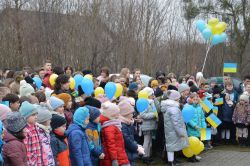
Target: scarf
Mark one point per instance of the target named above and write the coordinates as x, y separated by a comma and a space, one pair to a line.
113, 122
126, 120
46, 129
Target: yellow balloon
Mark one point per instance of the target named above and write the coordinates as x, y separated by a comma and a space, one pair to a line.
98, 91
220, 27
72, 83
213, 29
187, 152
198, 149
119, 90
89, 76
52, 79
213, 21
142, 94
194, 142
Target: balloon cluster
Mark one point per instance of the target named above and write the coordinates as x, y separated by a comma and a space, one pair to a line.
213, 31
195, 147
142, 102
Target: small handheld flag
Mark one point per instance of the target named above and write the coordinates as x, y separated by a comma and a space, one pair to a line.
205, 134
219, 101
230, 68
206, 105
213, 120
215, 110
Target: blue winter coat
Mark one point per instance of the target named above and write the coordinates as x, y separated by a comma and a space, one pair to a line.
130, 143
197, 120
78, 146
227, 112
93, 134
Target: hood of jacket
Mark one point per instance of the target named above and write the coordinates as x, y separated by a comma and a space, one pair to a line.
166, 104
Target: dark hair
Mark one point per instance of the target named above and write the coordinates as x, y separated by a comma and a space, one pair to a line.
10, 74
58, 70
131, 93
247, 77
61, 79
86, 71
149, 82
70, 68
11, 98
105, 70
47, 61
136, 69
40, 96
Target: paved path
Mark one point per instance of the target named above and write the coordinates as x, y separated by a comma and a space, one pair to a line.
223, 158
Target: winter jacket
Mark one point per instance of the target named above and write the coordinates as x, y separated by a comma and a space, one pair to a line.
174, 127
14, 151
130, 143
149, 117
112, 141
34, 146
78, 146
227, 112
45, 141
233, 95
68, 116
241, 114
59, 146
93, 134
198, 120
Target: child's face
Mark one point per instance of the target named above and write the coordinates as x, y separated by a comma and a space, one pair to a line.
15, 106
66, 86
137, 73
248, 88
185, 93
86, 122
60, 110
229, 87
69, 105
60, 130
196, 100
243, 102
97, 120
206, 88
32, 119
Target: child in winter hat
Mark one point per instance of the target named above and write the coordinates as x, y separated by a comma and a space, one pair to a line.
26, 89
56, 105
32, 140
43, 122
14, 150
78, 140
241, 118
112, 138
67, 106
93, 134
131, 146
58, 141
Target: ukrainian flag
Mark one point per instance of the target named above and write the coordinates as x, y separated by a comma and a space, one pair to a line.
219, 101
230, 68
206, 105
213, 120
205, 134
215, 110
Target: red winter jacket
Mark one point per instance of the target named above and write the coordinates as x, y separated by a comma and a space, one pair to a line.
112, 141
14, 151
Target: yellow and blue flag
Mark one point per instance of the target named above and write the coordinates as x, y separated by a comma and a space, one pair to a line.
215, 110
230, 68
219, 101
205, 134
213, 120
206, 105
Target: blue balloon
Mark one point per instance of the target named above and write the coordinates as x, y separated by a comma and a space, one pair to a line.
142, 105
216, 39
110, 89
201, 25
87, 86
78, 79
223, 37
38, 82
188, 113
207, 33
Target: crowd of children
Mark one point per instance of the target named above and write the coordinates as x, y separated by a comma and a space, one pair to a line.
56, 125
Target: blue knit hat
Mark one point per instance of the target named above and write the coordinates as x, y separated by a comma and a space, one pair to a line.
55, 102
27, 109
133, 86
94, 113
80, 116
